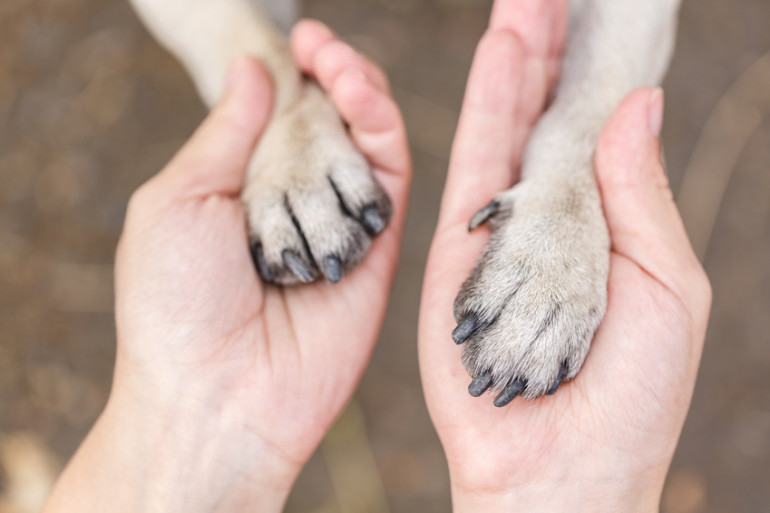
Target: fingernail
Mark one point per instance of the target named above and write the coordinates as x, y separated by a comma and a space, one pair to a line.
655, 111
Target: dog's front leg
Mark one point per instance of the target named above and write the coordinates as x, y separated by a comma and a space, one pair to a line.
312, 202
529, 310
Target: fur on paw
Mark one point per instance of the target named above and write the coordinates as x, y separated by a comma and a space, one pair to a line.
312, 202
529, 310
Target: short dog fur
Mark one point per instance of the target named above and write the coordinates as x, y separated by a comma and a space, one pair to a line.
529, 310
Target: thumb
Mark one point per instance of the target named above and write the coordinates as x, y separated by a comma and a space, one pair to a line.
644, 223
215, 159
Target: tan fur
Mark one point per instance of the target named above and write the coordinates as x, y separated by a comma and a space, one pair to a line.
304, 154
538, 292
540, 287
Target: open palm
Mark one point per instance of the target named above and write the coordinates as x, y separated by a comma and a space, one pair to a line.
618, 422
194, 321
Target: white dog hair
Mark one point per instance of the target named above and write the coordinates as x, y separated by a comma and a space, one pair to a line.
528, 312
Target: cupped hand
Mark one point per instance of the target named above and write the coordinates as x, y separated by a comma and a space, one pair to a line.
215, 371
605, 440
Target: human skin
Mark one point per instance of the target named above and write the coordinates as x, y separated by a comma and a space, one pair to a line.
224, 386
604, 441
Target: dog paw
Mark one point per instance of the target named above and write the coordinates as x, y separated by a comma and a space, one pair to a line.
529, 310
311, 200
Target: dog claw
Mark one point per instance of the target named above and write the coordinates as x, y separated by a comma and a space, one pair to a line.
295, 264
480, 384
559, 379
465, 329
332, 269
258, 255
373, 221
483, 215
510, 393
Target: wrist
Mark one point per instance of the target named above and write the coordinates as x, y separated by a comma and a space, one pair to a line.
577, 490
203, 453
545, 498
161, 457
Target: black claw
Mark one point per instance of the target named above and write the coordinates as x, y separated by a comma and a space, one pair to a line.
511, 392
332, 269
483, 215
372, 220
258, 255
559, 379
480, 384
295, 264
465, 329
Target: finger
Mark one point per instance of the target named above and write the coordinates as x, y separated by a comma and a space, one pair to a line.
644, 223
484, 150
489, 133
531, 20
375, 121
540, 25
559, 31
215, 159
322, 55
306, 38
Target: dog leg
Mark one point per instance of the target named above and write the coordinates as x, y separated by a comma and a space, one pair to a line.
312, 202
529, 310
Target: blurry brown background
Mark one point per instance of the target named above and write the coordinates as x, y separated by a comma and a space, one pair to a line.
90, 107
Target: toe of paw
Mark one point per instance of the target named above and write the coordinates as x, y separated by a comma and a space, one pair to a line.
301, 267
331, 267
298, 266
504, 390
363, 199
560, 377
266, 272
511, 391
507, 389
373, 215
512, 370
481, 384
375, 218
283, 267
469, 324
339, 253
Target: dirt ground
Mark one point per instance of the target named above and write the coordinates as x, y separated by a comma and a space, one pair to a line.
90, 107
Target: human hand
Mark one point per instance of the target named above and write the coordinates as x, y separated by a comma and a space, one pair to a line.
605, 440
224, 386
